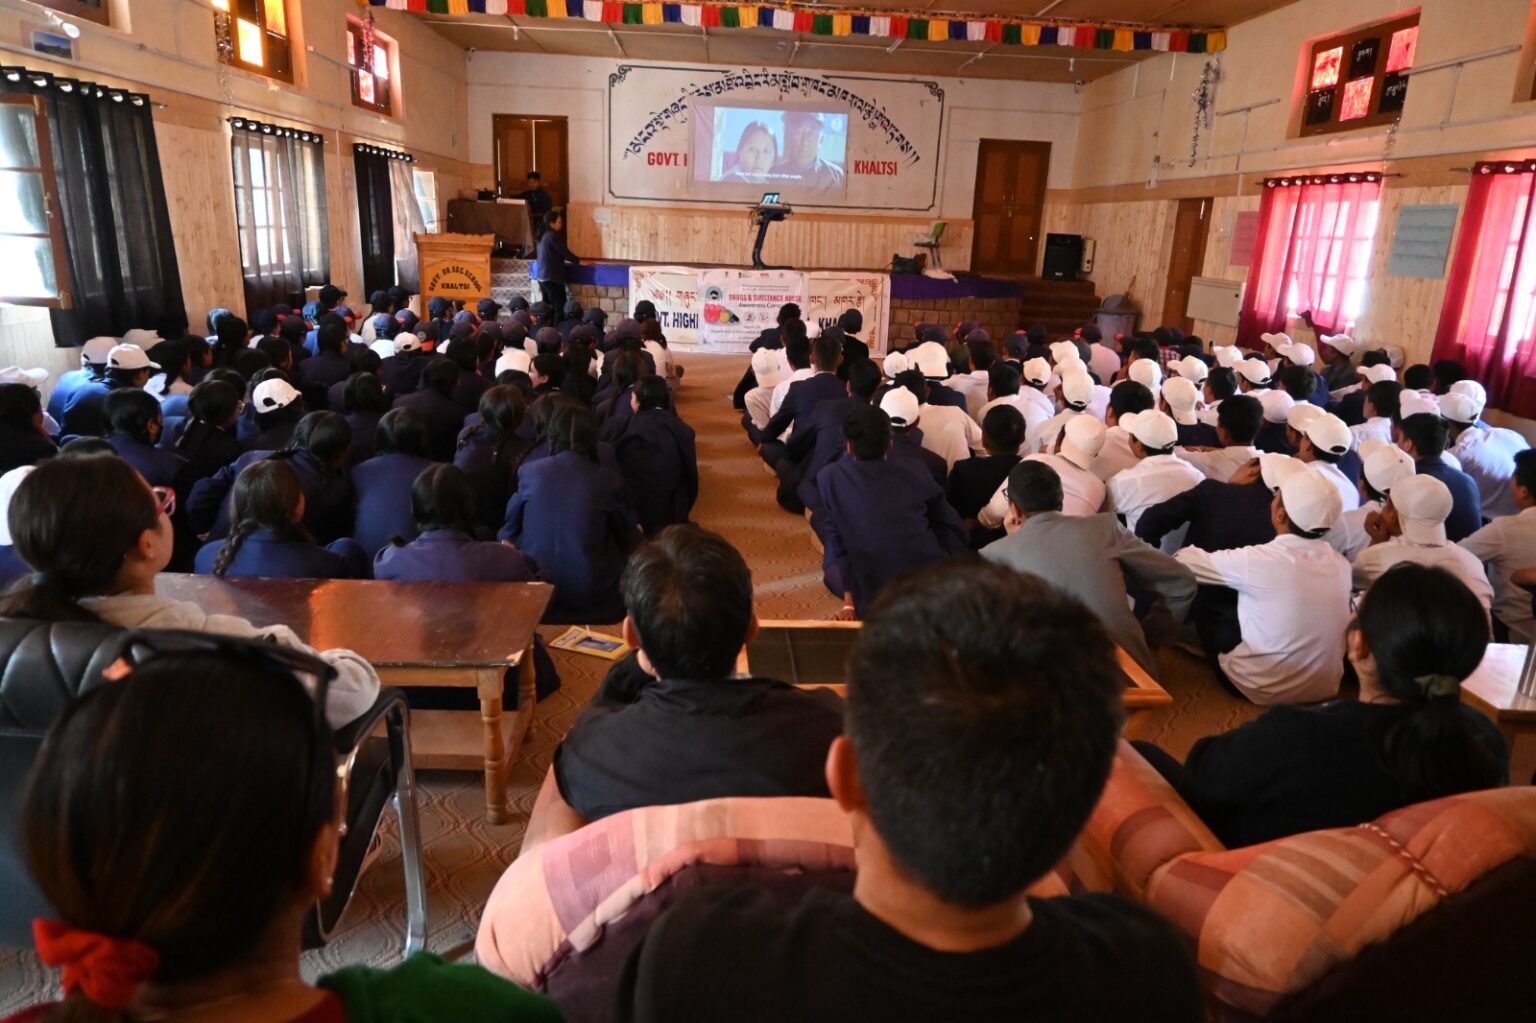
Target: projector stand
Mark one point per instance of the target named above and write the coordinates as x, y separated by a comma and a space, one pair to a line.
765, 215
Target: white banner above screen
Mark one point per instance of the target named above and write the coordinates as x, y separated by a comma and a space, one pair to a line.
729, 136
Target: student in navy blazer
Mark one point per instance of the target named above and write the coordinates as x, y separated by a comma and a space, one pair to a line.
382, 484
659, 459
572, 516
818, 442
363, 403
804, 395
134, 422
445, 548
268, 539
1424, 436
329, 367
441, 416
490, 453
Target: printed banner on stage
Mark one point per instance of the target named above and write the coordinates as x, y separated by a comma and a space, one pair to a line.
741, 304
829, 294
675, 292
729, 136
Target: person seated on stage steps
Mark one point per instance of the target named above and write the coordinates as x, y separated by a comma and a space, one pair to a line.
973, 480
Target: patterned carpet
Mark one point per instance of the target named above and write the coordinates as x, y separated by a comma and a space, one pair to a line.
464, 856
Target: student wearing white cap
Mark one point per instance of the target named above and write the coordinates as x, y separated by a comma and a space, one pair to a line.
1228, 356
1411, 527
1157, 475
1125, 398
931, 359
1253, 374
1382, 465
947, 430
278, 408
1075, 392
126, 366
1192, 368
770, 367
1004, 387
1382, 403
1487, 454
1148, 374
93, 368
1293, 599
1182, 399
1237, 426
1277, 407
1082, 492
1506, 545
1321, 440
1423, 435
906, 415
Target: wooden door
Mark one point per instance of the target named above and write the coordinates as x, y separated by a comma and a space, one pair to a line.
1191, 225
1010, 195
524, 144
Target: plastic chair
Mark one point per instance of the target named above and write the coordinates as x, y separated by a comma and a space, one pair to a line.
930, 241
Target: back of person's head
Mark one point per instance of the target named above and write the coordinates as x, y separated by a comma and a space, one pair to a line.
1128, 397
20, 405
1222, 380
1386, 398
131, 412
788, 311
827, 350
81, 447
573, 428
1418, 377
983, 353
914, 381
1003, 379
212, 404
442, 497
441, 375
628, 367
121, 826
794, 328
688, 594
1376, 357
230, 331
1297, 381
852, 321
266, 495
171, 357
1427, 432
1034, 487
1426, 633
401, 431
364, 392
868, 432
1446, 373
650, 330
325, 435
1241, 416
864, 378
797, 348
502, 410
463, 352
982, 736
1525, 470
1002, 430
1143, 348
277, 350
550, 366
331, 335
651, 393
74, 540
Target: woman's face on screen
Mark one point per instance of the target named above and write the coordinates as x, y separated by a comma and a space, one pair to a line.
757, 152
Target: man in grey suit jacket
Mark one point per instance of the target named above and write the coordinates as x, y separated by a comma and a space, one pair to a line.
1089, 557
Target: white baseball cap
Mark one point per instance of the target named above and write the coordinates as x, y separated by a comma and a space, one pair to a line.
95, 351
1396, 356
1037, 371
1473, 390
1457, 408
1191, 368
1077, 389
405, 341
1414, 403
1147, 373
1328, 433
1081, 440
271, 395
1276, 341
1061, 350
1384, 464
1340, 342
129, 357
16, 375
1156, 430
1255, 371
138, 336
1072, 365
8, 484
931, 359
383, 348
1298, 354
1377, 374
896, 362
901, 405
1277, 405
1423, 503
1300, 414
1275, 468
1227, 355
1311, 501
518, 359
767, 365
1181, 396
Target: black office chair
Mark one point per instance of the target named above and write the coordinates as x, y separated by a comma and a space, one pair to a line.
45, 665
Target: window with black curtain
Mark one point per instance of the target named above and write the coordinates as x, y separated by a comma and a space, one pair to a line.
375, 216
117, 229
280, 212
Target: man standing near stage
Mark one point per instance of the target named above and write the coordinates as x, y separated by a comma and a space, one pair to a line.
553, 257
802, 154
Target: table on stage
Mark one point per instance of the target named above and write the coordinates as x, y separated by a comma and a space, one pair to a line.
463, 635
1492, 690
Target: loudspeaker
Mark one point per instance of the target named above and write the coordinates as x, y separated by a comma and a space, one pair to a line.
1063, 255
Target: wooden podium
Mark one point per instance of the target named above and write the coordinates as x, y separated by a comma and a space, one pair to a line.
455, 266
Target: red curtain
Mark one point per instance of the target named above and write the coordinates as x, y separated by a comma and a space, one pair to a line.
1312, 252
1488, 321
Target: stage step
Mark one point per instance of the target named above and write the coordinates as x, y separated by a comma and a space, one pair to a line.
1059, 306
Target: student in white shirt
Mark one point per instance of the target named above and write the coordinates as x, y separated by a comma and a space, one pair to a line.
1253, 374
1383, 465
1148, 374
1237, 424
1487, 454
1192, 368
1082, 492
1508, 544
947, 431
1321, 439
973, 383
1038, 384
1157, 475
1382, 403
1411, 527
1003, 388
1292, 603
1219, 385
1103, 359
797, 350
1075, 391
1126, 398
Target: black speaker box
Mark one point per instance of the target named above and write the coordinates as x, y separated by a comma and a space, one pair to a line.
1063, 256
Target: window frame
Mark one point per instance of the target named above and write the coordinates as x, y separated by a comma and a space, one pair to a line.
62, 280
226, 41
284, 249
434, 223
75, 9
390, 82
1375, 117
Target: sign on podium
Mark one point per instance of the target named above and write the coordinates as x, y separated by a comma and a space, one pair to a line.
455, 266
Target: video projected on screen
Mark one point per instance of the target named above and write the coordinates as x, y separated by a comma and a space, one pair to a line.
802, 153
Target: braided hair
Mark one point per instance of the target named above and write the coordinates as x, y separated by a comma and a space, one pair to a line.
267, 495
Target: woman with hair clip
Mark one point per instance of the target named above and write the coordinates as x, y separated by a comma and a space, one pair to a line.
134, 425
491, 452
97, 560
571, 515
1419, 633
269, 541
119, 839
206, 438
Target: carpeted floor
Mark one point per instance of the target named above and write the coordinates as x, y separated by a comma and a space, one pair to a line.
464, 856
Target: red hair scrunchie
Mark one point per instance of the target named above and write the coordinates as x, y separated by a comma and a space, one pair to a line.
108, 970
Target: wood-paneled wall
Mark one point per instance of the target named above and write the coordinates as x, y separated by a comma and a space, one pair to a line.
1133, 240
200, 194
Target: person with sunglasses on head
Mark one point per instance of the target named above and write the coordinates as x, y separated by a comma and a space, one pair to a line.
119, 837
96, 560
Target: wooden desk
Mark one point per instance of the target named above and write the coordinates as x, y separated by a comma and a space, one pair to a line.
813, 654
462, 635
1491, 689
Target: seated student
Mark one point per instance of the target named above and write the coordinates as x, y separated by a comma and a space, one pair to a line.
1322, 441
978, 355
134, 423
1382, 404
851, 323
1411, 527
818, 442
900, 406
802, 396
546, 372
1285, 644
1300, 380
1236, 429
1076, 392
1487, 454
939, 925
273, 414
97, 561
1220, 384
1181, 398
931, 359
1506, 545
974, 480
441, 417
127, 366
119, 838
1220, 515
1419, 377
401, 372
363, 403
23, 438
1423, 435
491, 451
1158, 473
12, 567
882, 517
1349, 402
769, 367
947, 430
206, 438
1035, 381
570, 513
92, 373
175, 362
382, 484
657, 455
612, 402
1253, 374
1126, 398
769, 339
1272, 437
1407, 739
1005, 387
1383, 465
330, 366
1103, 357
445, 548
1082, 492
692, 729
797, 352
267, 539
